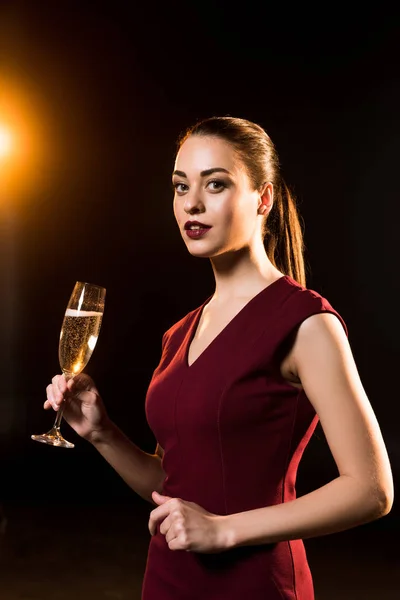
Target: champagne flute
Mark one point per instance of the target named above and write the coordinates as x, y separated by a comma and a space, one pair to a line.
78, 337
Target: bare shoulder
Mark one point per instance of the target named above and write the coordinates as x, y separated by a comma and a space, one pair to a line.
320, 337
322, 322
316, 333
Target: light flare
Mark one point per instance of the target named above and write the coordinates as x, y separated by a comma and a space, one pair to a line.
22, 141
6, 141
92, 342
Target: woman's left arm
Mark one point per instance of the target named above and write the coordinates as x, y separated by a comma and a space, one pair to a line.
363, 491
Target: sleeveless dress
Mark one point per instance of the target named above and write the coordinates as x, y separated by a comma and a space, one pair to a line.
233, 433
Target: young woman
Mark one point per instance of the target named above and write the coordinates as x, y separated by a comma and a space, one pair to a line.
242, 382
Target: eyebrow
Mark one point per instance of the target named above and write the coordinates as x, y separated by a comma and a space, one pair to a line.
204, 173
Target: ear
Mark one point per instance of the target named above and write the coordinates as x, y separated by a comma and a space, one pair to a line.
266, 199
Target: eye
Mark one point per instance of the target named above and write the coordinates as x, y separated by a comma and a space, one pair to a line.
179, 187
216, 185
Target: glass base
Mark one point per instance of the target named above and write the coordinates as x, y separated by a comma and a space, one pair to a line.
54, 438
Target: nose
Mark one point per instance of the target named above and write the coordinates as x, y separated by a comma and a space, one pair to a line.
193, 203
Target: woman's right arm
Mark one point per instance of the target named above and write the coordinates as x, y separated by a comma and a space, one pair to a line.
141, 471
84, 411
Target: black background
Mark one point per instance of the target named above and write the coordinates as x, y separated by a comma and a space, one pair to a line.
111, 88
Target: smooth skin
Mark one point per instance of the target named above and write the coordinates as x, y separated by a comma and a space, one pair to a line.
320, 362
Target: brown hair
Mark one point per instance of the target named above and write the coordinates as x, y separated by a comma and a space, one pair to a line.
282, 229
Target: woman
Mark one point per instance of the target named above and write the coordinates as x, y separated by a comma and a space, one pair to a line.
242, 381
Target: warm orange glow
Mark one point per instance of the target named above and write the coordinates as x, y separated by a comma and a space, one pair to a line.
5, 141
21, 140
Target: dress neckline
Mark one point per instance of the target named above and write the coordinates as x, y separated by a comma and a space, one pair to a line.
194, 326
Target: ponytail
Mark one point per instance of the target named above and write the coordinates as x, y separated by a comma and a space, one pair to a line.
284, 235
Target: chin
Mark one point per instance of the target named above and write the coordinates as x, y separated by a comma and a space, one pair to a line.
199, 254
205, 252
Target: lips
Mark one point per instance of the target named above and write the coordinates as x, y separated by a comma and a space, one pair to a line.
196, 224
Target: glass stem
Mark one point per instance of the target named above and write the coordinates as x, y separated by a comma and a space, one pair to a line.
57, 422
60, 412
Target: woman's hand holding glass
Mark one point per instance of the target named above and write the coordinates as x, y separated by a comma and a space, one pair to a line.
83, 407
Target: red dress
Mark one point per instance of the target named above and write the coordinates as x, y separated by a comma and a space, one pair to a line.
233, 432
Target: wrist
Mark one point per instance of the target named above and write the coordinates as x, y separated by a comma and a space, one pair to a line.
104, 434
225, 533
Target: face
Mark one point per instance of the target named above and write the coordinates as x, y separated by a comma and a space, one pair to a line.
212, 187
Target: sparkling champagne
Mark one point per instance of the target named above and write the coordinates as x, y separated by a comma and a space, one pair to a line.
79, 333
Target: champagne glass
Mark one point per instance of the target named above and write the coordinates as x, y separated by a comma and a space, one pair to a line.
78, 337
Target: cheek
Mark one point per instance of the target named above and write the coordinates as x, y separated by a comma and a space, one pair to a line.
175, 208
233, 212
240, 220
226, 209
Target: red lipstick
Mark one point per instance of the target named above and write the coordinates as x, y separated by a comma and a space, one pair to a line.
196, 229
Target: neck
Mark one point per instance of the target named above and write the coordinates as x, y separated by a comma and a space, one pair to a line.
242, 274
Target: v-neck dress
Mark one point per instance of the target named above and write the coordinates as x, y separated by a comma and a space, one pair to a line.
233, 432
